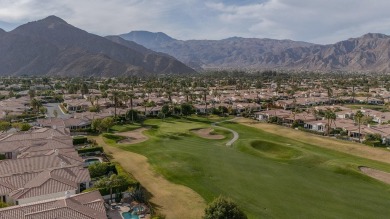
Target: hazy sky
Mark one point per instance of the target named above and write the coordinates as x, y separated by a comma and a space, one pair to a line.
318, 21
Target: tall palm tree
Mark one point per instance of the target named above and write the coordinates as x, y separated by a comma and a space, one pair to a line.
330, 93
91, 100
115, 99
353, 92
205, 99
358, 117
330, 116
187, 93
97, 97
131, 95
169, 93
34, 104
145, 105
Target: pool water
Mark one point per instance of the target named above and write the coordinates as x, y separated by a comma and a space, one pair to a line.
91, 161
128, 215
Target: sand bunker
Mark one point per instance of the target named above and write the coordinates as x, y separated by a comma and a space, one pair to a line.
377, 174
133, 137
206, 133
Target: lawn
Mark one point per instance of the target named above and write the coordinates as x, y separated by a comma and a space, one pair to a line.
125, 128
268, 175
367, 106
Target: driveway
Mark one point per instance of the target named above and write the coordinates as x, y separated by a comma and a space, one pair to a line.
55, 106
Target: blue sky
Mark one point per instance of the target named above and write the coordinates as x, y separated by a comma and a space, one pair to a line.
317, 21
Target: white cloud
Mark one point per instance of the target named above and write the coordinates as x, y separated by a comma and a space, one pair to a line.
306, 20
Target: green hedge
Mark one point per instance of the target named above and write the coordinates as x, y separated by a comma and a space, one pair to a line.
80, 140
116, 138
373, 143
88, 150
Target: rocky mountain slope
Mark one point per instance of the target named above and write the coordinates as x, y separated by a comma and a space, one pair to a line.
367, 53
53, 47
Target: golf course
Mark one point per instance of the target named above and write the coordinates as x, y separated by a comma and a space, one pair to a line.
282, 173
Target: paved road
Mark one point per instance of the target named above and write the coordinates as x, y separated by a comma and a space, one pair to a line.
235, 134
55, 106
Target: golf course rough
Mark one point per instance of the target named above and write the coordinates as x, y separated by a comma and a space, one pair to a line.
268, 175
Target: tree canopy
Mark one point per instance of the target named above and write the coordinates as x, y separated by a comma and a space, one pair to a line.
222, 208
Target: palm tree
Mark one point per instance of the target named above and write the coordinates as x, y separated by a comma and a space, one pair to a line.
45, 81
187, 93
169, 92
35, 104
131, 96
97, 97
329, 115
330, 93
112, 182
358, 117
205, 99
145, 105
353, 92
115, 98
91, 100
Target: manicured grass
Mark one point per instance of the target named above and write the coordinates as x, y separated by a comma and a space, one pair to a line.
113, 138
367, 106
125, 128
268, 175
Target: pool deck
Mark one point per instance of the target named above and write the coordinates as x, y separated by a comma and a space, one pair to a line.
90, 158
117, 213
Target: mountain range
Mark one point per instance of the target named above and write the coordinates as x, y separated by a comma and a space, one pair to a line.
53, 47
370, 52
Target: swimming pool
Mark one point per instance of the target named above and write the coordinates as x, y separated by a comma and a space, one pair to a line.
128, 215
91, 161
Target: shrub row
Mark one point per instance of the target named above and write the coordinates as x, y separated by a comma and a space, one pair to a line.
373, 143
88, 150
79, 140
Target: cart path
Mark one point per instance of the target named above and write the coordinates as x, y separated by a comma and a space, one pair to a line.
235, 134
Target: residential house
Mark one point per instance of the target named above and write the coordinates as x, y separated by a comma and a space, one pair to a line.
267, 114
37, 178
14, 144
77, 105
318, 126
345, 114
300, 118
81, 206
70, 123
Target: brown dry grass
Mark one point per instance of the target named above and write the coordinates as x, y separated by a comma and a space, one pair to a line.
134, 137
352, 148
377, 174
205, 133
174, 201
